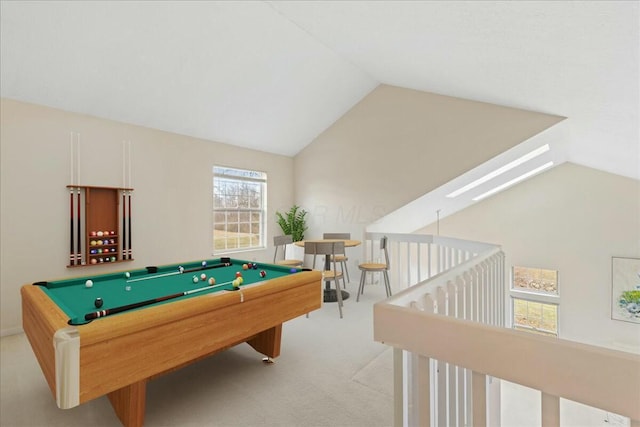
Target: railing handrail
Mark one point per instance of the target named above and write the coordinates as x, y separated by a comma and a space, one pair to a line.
470, 245
600, 377
580, 372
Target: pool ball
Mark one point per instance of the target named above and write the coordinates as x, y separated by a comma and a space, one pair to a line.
263, 273
94, 261
127, 274
293, 270
93, 234
238, 274
235, 283
212, 281
204, 263
88, 283
254, 266
203, 277
98, 302
195, 279
240, 280
181, 269
93, 243
245, 266
99, 233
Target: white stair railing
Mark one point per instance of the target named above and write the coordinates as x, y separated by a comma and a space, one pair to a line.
449, 339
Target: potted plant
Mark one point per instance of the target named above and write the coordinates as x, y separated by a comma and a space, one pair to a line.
293, 223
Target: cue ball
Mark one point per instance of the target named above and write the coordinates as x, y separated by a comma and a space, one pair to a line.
212, 281
88, 283
203, 277
195, 279
263, 273
98, 302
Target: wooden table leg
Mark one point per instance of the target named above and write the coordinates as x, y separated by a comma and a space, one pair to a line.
129, 403
268, 342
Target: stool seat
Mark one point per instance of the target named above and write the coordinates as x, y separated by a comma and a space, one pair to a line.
372, 266
291, 262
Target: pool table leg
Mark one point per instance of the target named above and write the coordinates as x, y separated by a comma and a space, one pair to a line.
268, 341
129, 403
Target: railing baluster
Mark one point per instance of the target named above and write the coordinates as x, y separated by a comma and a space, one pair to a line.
479, 399
550, 410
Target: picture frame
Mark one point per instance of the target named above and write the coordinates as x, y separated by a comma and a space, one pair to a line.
625, 289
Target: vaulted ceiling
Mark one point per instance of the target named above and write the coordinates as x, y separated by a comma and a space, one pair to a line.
273, 75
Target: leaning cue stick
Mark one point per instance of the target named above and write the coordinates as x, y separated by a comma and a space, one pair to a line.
173, 273
108, 311
124, 227
72, 259
130, 249
79, 237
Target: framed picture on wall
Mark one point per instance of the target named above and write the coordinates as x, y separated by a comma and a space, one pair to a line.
625, 289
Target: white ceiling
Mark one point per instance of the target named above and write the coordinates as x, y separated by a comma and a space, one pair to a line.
273, 75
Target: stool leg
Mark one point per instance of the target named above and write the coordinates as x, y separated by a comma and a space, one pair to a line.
346, 270
361, 286
387, 284
339, 295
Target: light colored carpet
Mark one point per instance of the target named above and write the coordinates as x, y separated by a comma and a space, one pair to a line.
330, 373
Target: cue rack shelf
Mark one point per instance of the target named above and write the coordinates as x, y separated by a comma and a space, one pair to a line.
100, 225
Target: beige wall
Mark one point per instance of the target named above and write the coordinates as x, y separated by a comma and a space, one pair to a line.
572, 219
396, 145
172, 200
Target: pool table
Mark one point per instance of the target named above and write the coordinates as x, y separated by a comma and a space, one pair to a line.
116, 353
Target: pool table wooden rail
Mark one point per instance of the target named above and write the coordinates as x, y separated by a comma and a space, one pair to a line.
119, 353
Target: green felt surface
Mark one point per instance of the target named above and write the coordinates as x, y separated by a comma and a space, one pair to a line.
116, 290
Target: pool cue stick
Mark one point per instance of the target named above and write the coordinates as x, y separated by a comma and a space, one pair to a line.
124, 228
173, 273
72, 259
208, 267
108, 311
79, 237
129, 234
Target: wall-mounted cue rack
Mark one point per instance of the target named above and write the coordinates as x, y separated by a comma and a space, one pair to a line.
100, 225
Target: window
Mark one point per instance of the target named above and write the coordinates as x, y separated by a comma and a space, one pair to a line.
534, 293
239, 206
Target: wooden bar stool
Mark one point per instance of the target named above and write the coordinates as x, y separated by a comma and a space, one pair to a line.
329, 272
282, 242
341, 258
373, 267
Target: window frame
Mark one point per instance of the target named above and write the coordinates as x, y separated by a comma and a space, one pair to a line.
239, 176
541, 297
